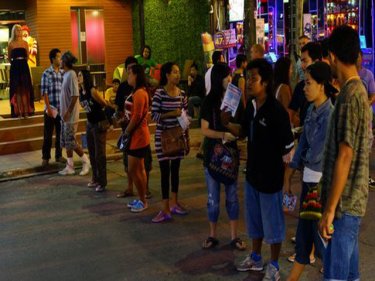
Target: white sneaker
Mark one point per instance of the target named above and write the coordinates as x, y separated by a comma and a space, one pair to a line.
67, 171
85, 169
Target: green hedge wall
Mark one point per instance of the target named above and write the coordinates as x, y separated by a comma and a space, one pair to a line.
172, 30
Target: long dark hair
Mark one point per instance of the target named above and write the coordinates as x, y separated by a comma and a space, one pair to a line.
149, 49
281, 71
138, 70
87, 80
166, 69
219, 72
321, 73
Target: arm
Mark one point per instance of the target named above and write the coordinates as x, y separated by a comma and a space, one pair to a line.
10, 48
340, 175
241, 85
67, 114
207, 132
139, 103
44, 87
98, 98
285, 96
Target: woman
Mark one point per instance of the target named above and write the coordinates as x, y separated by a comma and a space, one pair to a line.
96, 130
167, 105
137, 103
213, 131
309, 155
21, 93
148, 63
282, 73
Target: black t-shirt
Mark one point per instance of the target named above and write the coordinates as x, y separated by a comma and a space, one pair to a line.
299, 102
197, 87
94, 110
269, 138
124, 90
211, 113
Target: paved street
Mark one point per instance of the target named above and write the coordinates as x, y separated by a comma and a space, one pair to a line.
55, 228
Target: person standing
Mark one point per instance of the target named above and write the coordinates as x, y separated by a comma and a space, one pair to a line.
239, 76
51, 90
196, 89
69, 112
282, 74
270, 145
217, 57
21, 93
167, 105
344, 181
96, 129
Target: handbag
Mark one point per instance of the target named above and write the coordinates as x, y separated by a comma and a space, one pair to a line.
223, 160
289, 202
311, 208
173, 142
123, 143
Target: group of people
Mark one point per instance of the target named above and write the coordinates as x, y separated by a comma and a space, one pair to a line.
332, 150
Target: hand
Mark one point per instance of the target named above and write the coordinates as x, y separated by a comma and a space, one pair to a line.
287, 158
225, 117
326, 228
190, 80
178, 112
49, 111
66, 116
227, 137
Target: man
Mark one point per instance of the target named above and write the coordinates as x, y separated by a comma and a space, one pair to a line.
344, 182
51, 90
368, 81
256, 52
217, 57
310, 53
196, 89
69, 111
302, 41
238, 79
270, 143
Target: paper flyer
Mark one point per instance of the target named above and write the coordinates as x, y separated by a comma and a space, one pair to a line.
232, 99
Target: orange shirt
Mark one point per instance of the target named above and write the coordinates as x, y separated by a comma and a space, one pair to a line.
141, 135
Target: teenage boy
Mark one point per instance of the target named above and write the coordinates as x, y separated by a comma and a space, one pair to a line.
51, 90
196, 90
270, 142
346, 161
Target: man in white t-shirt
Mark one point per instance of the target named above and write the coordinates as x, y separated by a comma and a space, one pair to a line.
217, 57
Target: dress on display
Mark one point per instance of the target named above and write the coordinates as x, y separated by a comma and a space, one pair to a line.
20, 83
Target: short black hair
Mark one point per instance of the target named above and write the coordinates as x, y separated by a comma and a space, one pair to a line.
344, 44
130, 60
69, 59
314, 50
324, 45
265, 72
216, 57
116, 81
240, 59
53, 53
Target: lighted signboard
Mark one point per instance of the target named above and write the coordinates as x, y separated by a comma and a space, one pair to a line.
236, 12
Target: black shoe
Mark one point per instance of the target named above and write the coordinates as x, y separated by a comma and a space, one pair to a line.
61, 160
148, 195
100, 188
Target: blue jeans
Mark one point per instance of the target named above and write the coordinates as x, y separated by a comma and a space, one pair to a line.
213, 202
341, 258
264, 215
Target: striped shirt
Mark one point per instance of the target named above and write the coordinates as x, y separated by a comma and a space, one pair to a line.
163, 103
51, 85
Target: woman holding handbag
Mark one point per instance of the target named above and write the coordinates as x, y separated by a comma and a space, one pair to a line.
220, 158
96, 131
139, 135
168, 104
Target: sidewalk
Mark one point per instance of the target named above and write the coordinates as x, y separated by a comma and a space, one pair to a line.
28, 164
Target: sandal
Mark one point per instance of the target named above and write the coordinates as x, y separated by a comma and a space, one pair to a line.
238, 244
124, 194
210, 243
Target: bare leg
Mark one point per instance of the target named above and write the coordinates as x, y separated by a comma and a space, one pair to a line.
213, 229
275, 251
233, 229
137, 170
296, 271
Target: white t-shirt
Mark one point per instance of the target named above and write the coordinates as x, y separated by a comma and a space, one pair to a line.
69, 89
311, 175
207, 80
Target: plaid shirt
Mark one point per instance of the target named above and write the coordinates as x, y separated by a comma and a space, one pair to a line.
51, 84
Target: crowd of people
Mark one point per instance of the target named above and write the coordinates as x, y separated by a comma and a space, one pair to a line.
322, 126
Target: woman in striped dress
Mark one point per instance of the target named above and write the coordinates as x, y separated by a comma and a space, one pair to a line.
167, 104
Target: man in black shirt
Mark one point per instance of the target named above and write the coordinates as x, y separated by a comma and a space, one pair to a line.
270, 143
196, 89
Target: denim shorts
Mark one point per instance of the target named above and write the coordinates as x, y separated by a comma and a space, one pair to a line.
213, 201
68, 135
264, 215
341, 258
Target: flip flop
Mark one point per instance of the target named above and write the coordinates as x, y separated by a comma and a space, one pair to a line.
238, 244
210, 243
124, 194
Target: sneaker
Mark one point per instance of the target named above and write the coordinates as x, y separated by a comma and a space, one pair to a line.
92, 184
67, 171
100, 188
161, 217
138, 207
249, 264
61, 160
85, 169
178, 210
132, 203
272, 274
